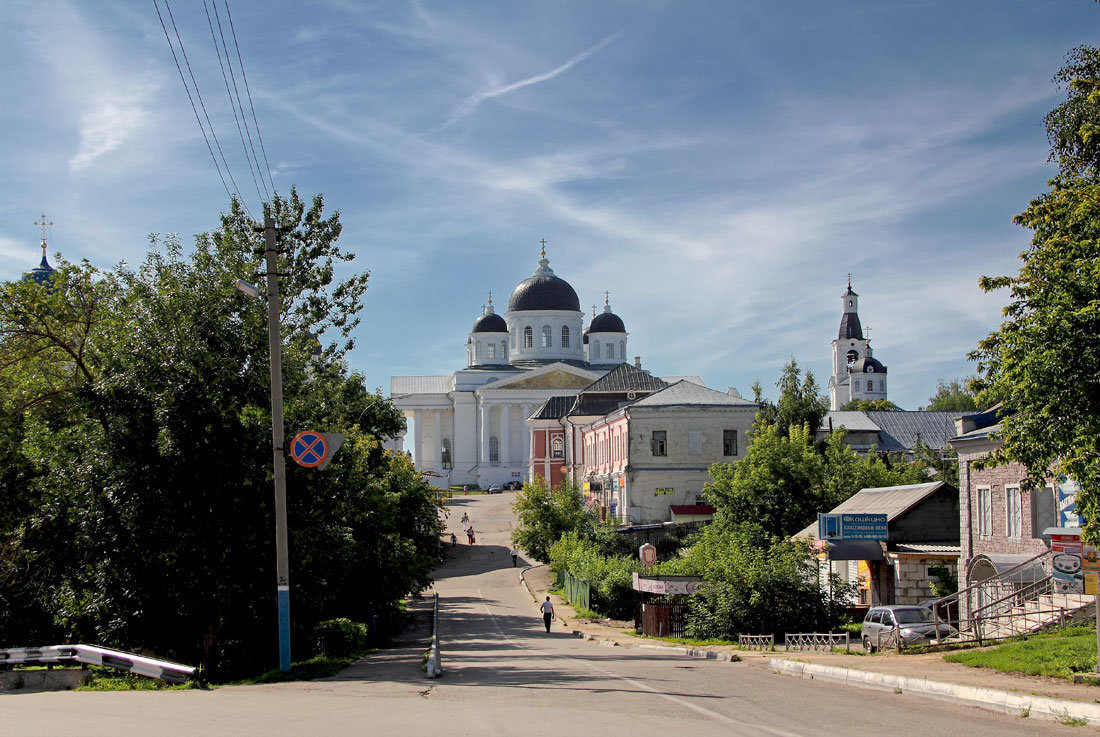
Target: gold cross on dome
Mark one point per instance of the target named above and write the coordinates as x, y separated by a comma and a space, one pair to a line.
543, 243
43, 224
867, 331
490, 296
607, 297
593, 310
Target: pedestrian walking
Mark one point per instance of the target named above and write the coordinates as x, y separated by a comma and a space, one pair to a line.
454, 540
470, 534
466, 490
514, 553
547, 613
465, 519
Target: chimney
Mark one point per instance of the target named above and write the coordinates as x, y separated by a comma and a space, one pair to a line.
637, 362
732, 391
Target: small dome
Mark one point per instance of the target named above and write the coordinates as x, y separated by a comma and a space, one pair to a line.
868, 365
41, 274
544, 291
607, 322
490, 322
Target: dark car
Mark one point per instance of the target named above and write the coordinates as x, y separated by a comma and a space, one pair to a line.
913, 624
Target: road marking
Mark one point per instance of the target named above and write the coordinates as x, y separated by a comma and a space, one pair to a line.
757, 728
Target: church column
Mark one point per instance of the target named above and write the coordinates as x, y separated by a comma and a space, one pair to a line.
505, 435
418, 438
437, 460
484, 435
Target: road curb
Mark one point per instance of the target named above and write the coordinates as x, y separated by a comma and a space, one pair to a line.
991, 699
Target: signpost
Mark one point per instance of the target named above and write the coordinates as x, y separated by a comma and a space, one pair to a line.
311, 449
848, 526
648, 555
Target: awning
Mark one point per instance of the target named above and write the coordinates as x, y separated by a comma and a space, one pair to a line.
999, 564
854, 550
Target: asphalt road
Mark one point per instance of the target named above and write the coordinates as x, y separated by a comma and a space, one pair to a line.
504, 675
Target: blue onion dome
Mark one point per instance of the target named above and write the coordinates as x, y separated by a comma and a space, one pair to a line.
43, 273
489, 321
544, 291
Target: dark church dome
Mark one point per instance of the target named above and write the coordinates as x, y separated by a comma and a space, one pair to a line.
490, 322
544, 291
607, 322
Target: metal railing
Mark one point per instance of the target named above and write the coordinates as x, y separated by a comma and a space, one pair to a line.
816, 641
93, 655
756, 642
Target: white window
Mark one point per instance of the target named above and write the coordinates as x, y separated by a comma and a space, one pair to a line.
528, 337
558, 447
1012, 511
564, 336
985, 511
492, 348
546, 339
610, 349
596, 350
695, 442
494, 449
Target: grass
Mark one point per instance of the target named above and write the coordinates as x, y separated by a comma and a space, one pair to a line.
305, 670
1058, 654
692, 641
109, 679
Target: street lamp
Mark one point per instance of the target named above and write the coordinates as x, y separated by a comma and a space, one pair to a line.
274, 344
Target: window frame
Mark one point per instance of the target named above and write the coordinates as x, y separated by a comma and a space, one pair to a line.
528, 336
547, 337
1012, 492
984, 510
729, 439
564, 336
653, 443
695, 442
494, 449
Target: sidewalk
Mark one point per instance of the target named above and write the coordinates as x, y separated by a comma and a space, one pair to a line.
925, 674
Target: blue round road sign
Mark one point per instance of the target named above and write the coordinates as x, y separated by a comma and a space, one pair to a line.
309, 449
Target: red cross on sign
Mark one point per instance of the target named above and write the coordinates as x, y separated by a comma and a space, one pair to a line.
309, 449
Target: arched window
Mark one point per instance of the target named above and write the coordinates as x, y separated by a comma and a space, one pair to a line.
610, 349
445, 453
528, 337
547, 339
558, 448
504, 349
494, 449
492, 350
852, 357
595, 350
622, 349
564, 336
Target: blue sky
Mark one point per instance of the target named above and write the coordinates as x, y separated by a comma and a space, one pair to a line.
719, 167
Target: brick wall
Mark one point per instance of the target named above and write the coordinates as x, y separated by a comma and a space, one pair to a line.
911, 577
1011, 474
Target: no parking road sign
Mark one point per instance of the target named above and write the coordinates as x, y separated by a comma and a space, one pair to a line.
314, 449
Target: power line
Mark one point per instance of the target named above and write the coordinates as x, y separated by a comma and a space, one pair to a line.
248, 92
193, 108
229, 94
198, 94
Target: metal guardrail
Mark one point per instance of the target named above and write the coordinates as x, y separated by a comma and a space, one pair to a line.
93, 655
816, 641
756, 642
434, 666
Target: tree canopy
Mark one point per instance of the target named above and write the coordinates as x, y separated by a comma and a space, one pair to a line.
1041, 362
800, 399
871, 405
952, 396
135, 451
545, 514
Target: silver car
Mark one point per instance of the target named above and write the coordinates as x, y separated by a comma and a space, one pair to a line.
913, 624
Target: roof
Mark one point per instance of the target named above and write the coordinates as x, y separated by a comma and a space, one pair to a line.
926, 549
850, 327
849, 420
692, 509
867, 365
490, 322
543, 290
981, 432
598, 404
420, 385
626, 378
553, 408
893, 501
693, 379
607, 322
900, 429
686, 393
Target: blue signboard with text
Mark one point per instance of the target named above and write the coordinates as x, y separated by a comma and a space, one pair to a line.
851, 526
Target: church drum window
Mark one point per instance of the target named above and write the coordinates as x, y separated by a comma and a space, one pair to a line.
660, 442
528, 337
595, 350
546, 337
610, 349
564, 336
494, 449
492, 350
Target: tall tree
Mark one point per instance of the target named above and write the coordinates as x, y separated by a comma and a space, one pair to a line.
952, 396
1041, 362
871, 405
800, 400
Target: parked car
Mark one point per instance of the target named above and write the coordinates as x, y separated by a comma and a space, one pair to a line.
913, 623
495, 489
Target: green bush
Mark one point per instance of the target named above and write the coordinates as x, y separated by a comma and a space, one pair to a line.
340, 638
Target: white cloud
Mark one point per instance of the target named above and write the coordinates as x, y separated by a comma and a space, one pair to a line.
105, 126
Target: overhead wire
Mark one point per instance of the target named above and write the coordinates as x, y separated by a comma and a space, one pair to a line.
202, 104
234, 105
248, 92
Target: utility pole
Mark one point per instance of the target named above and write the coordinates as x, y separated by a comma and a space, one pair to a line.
274, 341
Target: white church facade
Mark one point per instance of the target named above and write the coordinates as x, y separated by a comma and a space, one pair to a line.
856, 373
470, 427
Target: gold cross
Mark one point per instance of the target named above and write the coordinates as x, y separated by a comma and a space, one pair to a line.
607, 298
543, 242
43, 223
867, 330
490, 296
593, 310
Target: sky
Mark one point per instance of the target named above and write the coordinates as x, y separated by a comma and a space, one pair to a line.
718, 167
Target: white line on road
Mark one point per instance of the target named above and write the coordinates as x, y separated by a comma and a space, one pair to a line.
756, 728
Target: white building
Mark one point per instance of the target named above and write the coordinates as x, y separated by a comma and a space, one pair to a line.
469, 427
856, 374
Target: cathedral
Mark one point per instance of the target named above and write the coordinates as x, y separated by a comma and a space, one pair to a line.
856, 373
470, 427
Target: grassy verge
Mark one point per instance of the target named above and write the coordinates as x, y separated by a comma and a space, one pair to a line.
305, 670
1058, 654
691, 641
109, 679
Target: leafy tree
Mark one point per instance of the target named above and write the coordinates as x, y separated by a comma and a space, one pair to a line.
1041, 362
800, 400
871, 405
544, 515
952, 396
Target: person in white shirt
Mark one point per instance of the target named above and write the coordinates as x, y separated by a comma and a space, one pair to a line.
514, 553
547, 612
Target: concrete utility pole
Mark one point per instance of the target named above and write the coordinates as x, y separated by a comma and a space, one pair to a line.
274, 340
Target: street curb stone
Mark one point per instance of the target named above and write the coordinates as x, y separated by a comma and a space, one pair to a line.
990, 699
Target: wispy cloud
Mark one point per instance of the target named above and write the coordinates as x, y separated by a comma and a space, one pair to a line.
105, 126
471, 103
